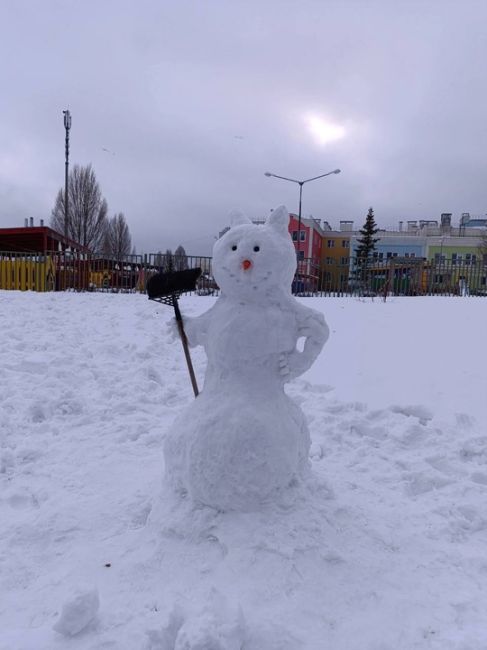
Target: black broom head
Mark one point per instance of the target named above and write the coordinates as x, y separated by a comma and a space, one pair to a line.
169, 285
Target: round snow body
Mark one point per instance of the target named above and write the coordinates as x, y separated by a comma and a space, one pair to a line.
237, 457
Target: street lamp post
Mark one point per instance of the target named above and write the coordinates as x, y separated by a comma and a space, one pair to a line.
301, 183
67, 126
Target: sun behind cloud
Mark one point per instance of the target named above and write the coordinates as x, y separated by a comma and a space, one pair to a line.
323, 130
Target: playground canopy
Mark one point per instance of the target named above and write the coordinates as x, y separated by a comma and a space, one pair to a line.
36, 239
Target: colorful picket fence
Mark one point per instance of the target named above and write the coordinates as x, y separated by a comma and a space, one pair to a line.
27, 272
59, 271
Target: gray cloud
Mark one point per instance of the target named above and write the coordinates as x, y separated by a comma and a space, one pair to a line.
195, 100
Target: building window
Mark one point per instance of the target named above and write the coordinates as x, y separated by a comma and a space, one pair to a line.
329, 260
295, 235
413, 255
344, 260
303, 235
474, 259
330, 243
346, 243
300, 256
389, 255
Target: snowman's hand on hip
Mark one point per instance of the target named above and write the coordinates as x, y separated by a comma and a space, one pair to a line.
315, 332
291, 365
283, 366
315, 328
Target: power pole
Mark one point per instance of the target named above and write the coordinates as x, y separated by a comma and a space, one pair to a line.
67, 126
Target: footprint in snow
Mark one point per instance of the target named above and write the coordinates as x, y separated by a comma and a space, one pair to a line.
37, 413
414, 410
22, 501
418, 483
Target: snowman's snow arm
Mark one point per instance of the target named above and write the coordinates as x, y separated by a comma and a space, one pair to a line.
196, 328
313, 328
316, 333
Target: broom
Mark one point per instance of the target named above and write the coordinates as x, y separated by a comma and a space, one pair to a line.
166, 289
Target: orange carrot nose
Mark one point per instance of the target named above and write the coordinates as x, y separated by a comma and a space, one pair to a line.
246, 264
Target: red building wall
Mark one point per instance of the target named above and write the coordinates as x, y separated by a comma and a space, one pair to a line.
311, 246
310, 252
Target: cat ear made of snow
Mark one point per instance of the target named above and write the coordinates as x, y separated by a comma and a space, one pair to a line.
237, 218
278, 220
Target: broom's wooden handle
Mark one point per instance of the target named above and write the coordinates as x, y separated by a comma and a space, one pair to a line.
184, 341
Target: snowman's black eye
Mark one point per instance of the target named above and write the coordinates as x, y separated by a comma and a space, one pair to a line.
234, 247
256, 249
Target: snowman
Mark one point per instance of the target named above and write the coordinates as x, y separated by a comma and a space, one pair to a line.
243, 442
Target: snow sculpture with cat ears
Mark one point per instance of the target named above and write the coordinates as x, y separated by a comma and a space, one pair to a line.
243, 442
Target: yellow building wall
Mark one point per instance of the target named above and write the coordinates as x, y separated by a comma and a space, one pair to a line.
27, 273
335, 259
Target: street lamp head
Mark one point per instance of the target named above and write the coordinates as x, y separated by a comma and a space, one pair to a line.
267, 174
337, 171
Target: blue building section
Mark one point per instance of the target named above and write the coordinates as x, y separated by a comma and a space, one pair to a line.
389, 247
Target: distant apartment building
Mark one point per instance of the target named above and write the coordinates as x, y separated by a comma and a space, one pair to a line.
457, 250
335, 255
394, 244
326, 257
308, 242
430, 240
426, 256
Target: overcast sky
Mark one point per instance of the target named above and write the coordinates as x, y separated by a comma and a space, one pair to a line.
181, 106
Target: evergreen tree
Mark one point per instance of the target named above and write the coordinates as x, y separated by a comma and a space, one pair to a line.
366, 244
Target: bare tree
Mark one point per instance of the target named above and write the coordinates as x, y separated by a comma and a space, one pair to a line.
180, 259
168, 261
117, 242
87, 209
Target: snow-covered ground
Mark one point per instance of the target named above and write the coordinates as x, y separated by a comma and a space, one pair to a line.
387, 549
